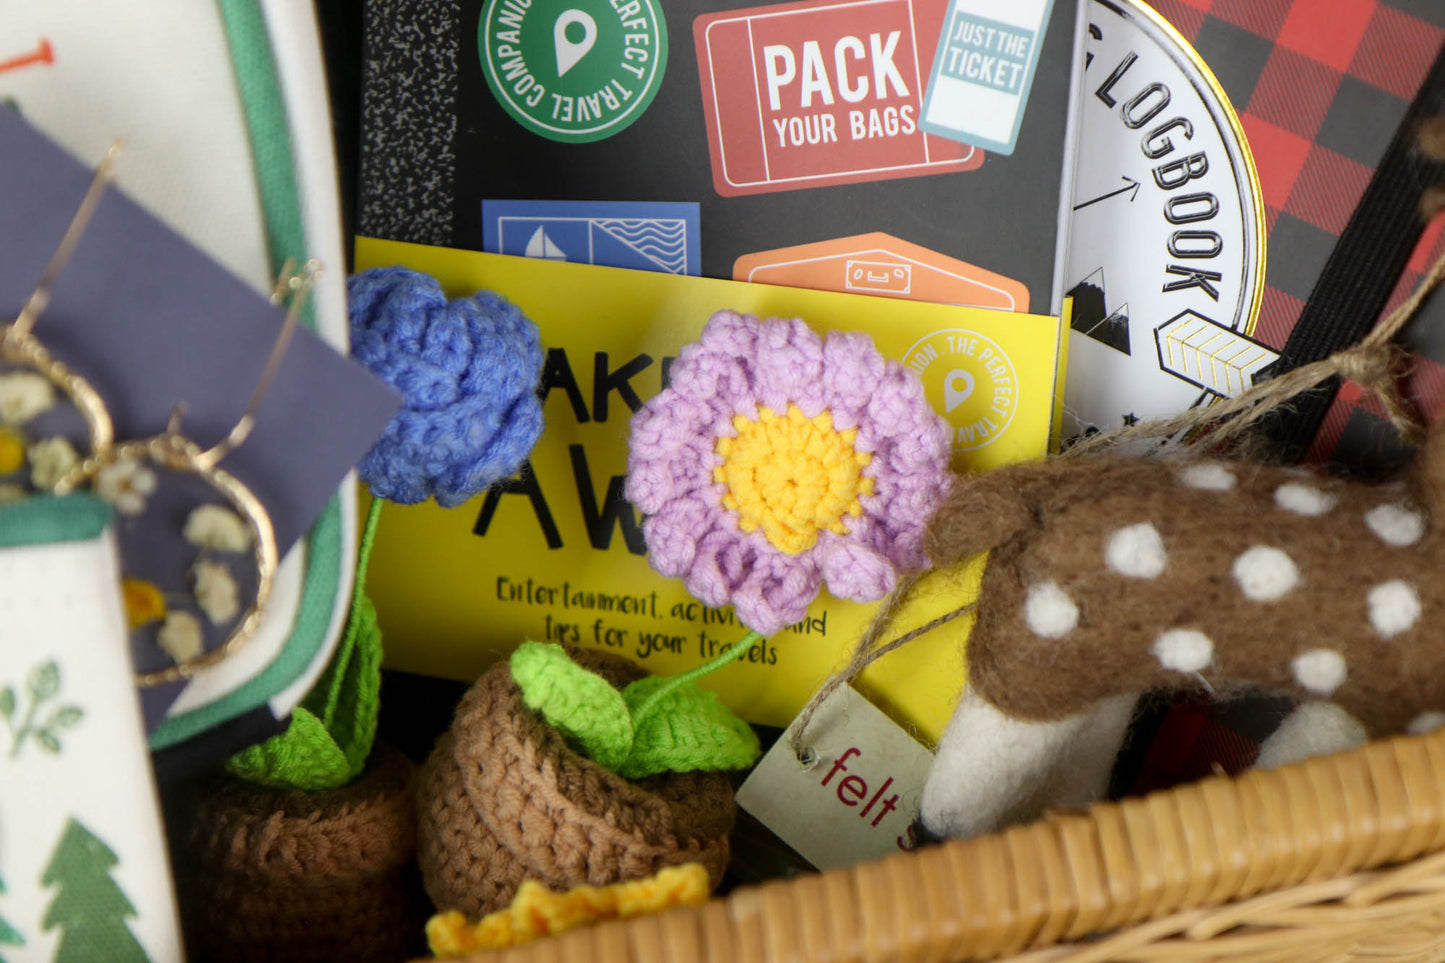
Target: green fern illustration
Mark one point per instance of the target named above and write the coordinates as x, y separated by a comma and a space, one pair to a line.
27, 717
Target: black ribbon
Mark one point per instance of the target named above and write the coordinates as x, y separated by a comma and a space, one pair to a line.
1362, 270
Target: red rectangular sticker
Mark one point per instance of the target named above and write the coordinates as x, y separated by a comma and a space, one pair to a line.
820, 92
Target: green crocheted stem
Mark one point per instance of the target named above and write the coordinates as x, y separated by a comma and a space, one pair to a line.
640, 714
329, 737
352, 700
368, 540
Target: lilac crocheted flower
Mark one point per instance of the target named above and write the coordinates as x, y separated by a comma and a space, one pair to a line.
777, 460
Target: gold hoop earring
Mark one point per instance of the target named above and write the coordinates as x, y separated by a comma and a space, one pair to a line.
174, 452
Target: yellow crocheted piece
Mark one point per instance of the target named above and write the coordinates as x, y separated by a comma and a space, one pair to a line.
536, 911
12, 451
792, 476
143, 602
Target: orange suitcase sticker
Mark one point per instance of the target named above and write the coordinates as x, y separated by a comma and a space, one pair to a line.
882, 264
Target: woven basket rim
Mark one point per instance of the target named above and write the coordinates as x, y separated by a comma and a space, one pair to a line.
1188, 872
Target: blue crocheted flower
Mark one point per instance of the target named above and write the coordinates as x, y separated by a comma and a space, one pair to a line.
468, 371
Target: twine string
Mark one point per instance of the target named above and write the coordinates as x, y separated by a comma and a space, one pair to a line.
1375, 363
868, 651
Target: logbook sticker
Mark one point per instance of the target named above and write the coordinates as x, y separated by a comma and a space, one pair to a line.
1167, 255
806, 94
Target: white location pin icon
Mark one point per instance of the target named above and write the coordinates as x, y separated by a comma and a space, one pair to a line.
957, 386
568, 51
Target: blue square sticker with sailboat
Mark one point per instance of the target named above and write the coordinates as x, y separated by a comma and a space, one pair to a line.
642, 235
983, 69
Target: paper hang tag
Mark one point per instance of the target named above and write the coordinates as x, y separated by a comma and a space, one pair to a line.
857, 797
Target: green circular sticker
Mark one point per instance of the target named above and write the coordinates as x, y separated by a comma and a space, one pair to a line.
573, 70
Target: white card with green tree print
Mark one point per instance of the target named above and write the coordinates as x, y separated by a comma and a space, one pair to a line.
83, 868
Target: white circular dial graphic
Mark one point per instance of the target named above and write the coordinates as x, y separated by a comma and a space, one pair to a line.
1166, 254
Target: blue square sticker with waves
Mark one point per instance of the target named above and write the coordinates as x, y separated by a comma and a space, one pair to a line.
642, 235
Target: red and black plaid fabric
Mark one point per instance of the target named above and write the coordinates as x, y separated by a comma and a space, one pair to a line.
1321, 87
1195, 738
1356, 430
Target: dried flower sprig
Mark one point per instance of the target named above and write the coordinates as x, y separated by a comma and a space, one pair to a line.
23, 395
180, 636
125, 485
216, 592
144, 602
217, 528
51, 460
12, 451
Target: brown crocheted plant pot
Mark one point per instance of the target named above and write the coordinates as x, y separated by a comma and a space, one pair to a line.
298, 876
503, 799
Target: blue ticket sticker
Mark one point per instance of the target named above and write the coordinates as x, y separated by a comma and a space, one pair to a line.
642, 235
982, 71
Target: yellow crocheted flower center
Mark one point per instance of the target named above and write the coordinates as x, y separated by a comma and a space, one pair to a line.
792, 476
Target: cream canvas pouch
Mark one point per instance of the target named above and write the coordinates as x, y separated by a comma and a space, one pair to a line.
83, 867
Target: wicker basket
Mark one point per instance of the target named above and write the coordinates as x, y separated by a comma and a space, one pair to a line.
1336, 858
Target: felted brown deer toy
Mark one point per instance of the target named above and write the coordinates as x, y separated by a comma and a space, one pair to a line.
1110, 576
1107, 577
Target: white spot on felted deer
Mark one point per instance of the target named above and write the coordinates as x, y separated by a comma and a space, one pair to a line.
1108, 577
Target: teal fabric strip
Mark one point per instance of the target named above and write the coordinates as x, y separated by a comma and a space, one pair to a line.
48, 519
266, 121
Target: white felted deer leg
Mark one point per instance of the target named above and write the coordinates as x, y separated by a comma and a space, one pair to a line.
1083, 774
991, 769
1312, 729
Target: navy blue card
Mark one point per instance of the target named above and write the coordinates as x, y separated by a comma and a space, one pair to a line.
150, 321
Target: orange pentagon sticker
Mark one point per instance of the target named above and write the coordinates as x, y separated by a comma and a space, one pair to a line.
884, 265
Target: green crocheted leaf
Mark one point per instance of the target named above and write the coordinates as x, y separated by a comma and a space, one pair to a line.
582, 705
331, 732
304, 757
352, 686
348, 697
687, 729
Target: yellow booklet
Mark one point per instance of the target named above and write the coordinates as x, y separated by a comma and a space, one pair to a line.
559, 555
